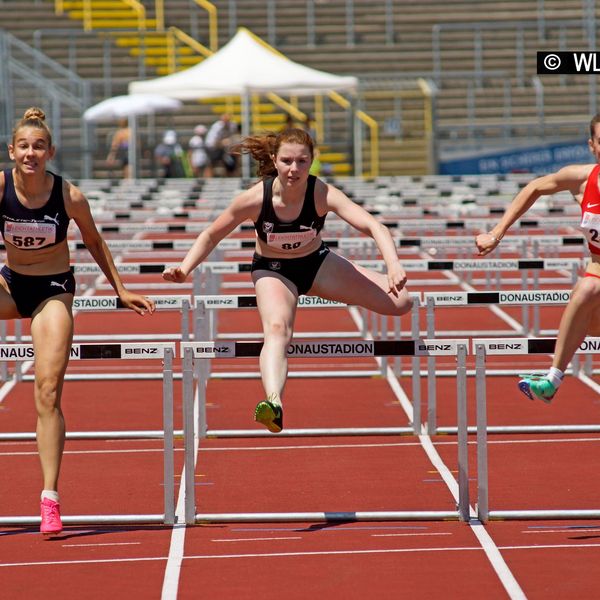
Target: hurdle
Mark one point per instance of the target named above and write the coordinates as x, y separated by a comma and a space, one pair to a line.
125, 351
522, 347
165, 352
105, 304
197, 428
468, 266
345, 243
205, 306
393, 221
524, 298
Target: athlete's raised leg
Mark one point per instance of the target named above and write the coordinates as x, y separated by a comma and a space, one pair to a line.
341, 280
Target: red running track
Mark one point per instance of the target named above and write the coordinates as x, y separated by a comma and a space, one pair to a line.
533, 559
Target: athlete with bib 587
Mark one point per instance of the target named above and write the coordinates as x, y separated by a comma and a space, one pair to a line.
36, 282
288, 207
581, 316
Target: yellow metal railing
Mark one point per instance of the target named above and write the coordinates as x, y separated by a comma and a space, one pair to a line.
159, 12
174, 34
88, 12
209, 7
370, 123
213, 32
140, 10
374, 145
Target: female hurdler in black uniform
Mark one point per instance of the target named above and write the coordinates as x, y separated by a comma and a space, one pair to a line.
288, 207
36, 281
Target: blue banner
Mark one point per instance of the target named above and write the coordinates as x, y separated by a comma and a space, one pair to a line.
533, 159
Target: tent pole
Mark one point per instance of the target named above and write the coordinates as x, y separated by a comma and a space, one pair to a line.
245, 100
358, 161
132, 149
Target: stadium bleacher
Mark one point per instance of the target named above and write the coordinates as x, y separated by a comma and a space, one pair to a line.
481, 56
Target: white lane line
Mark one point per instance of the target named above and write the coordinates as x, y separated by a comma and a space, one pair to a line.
563, 531
99, 561
104, 544
406, 534
264, 539
588, 381
176, 548
316, 447
487, 544
298, 554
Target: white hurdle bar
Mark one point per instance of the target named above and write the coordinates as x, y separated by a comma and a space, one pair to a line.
398, 222
166, 352
205, 284
200, 351
522, 347
350, 243
206, 304
181, 303
459, 265
523, 297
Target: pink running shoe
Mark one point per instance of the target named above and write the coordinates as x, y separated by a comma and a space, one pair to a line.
51, 523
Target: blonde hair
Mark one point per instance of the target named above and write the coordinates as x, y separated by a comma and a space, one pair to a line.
33, 117
263, 147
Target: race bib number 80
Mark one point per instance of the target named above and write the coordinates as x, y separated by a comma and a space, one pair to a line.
291, 241
30, 236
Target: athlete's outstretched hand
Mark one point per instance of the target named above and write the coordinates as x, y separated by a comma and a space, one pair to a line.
396, 278
174, 274
140, 304
485, 243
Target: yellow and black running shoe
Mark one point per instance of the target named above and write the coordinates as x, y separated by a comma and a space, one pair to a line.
270, 415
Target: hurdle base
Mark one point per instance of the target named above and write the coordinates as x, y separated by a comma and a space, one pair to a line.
327, 517
310, 432
26, 436
592, 428
534, 515
152, 519
297, 374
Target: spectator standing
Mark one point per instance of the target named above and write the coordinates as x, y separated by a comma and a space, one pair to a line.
118, 155
169, 156
197, 155
218, 139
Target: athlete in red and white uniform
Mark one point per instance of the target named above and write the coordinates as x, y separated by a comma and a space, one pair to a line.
590, 212
581, 316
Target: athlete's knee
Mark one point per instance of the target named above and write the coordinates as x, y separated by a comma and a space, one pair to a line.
47, 394
277, 328
403, 303
587, 290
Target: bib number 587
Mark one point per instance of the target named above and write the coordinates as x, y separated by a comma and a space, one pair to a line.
27, 241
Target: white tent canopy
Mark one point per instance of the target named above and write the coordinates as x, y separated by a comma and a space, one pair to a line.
243, 67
